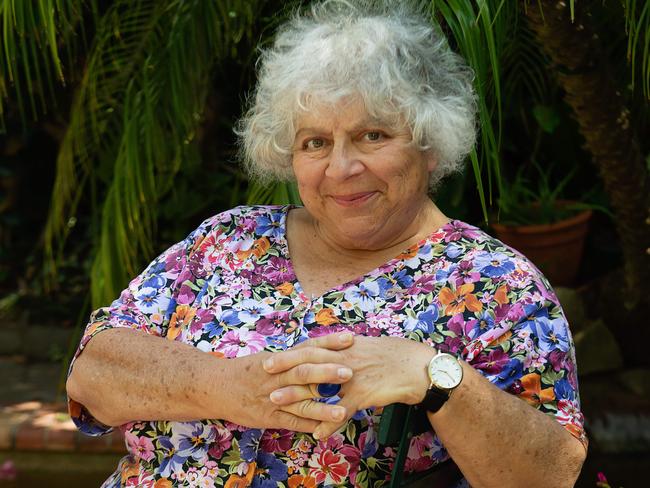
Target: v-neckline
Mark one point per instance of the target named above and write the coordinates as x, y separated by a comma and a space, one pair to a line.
433, 237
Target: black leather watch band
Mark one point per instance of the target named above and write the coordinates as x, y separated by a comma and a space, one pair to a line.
434, 399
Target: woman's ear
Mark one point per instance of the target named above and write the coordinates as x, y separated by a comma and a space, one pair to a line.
432, 162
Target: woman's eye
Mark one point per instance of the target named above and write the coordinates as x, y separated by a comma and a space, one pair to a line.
313, 144
373, 135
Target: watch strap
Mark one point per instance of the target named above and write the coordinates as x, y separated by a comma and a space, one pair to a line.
434, 399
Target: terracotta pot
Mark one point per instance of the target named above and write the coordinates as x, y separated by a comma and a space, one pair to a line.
556, 249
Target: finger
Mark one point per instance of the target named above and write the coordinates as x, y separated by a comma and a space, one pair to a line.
308, 373
328, 427
285, 360
311, 409
296, 393
335, 341
289, 421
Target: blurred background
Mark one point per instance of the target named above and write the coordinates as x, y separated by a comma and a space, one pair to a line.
116, 140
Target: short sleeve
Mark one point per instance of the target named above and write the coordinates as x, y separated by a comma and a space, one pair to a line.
145, 305
526, 349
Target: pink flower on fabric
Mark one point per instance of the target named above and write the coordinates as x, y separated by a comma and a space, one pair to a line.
221, 442
276, 440
241, 342
328, 467
140, 446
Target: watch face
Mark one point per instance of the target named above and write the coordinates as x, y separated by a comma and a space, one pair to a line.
445, 371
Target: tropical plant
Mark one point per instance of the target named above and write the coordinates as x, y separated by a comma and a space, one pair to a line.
139, 105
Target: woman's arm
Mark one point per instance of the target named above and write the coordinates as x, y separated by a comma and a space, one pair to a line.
125, 375
495, 438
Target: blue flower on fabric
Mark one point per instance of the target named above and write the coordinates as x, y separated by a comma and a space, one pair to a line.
424, 320
494, 264
193, 439
400, 278
171, 460
363, 295
552, 334
510, 372
563, 390
150, 300
154, 281
249, 444
224, 318
272, 467
454, 250
251, 310
533, 314
270, 225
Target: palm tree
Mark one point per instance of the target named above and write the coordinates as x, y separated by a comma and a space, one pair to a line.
139, 103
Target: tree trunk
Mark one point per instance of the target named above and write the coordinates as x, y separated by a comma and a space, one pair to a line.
604, 122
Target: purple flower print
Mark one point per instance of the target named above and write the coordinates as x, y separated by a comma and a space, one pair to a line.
140, 446
493, 362
464, 273
222, 441
272, 324
457, 230
193, 439
151, 300
278, 270
276, 440
241, 342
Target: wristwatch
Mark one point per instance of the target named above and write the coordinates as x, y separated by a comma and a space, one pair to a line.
445, 373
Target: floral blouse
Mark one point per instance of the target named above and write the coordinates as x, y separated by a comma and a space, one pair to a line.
229, 289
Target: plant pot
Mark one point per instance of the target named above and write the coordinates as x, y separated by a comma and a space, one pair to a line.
556, 249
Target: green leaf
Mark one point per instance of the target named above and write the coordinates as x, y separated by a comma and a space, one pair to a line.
547, 117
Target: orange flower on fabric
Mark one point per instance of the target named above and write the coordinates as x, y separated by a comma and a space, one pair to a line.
298, 481
163, 483
285, 288
325, 316
236, 481
182, 317
501, 295
533, 393
456, 301
411, 252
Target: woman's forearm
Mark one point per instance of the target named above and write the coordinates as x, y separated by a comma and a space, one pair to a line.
499, 441
124, 375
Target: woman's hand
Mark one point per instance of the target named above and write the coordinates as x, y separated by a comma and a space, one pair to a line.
385, 370
252, 390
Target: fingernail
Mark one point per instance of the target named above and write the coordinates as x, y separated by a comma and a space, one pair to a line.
338, 413
345, 373
316, 434
276, 396
268, 364
345, 338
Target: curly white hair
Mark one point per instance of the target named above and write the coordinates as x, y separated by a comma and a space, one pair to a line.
386, 53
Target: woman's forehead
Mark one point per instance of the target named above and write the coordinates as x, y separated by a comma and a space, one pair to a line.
349, 113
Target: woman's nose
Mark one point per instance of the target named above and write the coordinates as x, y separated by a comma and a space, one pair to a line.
344, 162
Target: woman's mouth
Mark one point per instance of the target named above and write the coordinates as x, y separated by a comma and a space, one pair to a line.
353, 199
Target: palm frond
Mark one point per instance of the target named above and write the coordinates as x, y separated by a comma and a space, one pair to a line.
480, 30
30, 58
637, 24
134, 122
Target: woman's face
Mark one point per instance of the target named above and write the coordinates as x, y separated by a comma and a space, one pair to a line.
362, 180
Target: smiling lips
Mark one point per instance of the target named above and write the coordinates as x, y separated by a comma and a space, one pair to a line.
353, 199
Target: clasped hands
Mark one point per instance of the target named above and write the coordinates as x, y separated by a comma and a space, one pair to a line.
372, 372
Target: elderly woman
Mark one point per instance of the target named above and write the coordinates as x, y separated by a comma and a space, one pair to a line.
215, 361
